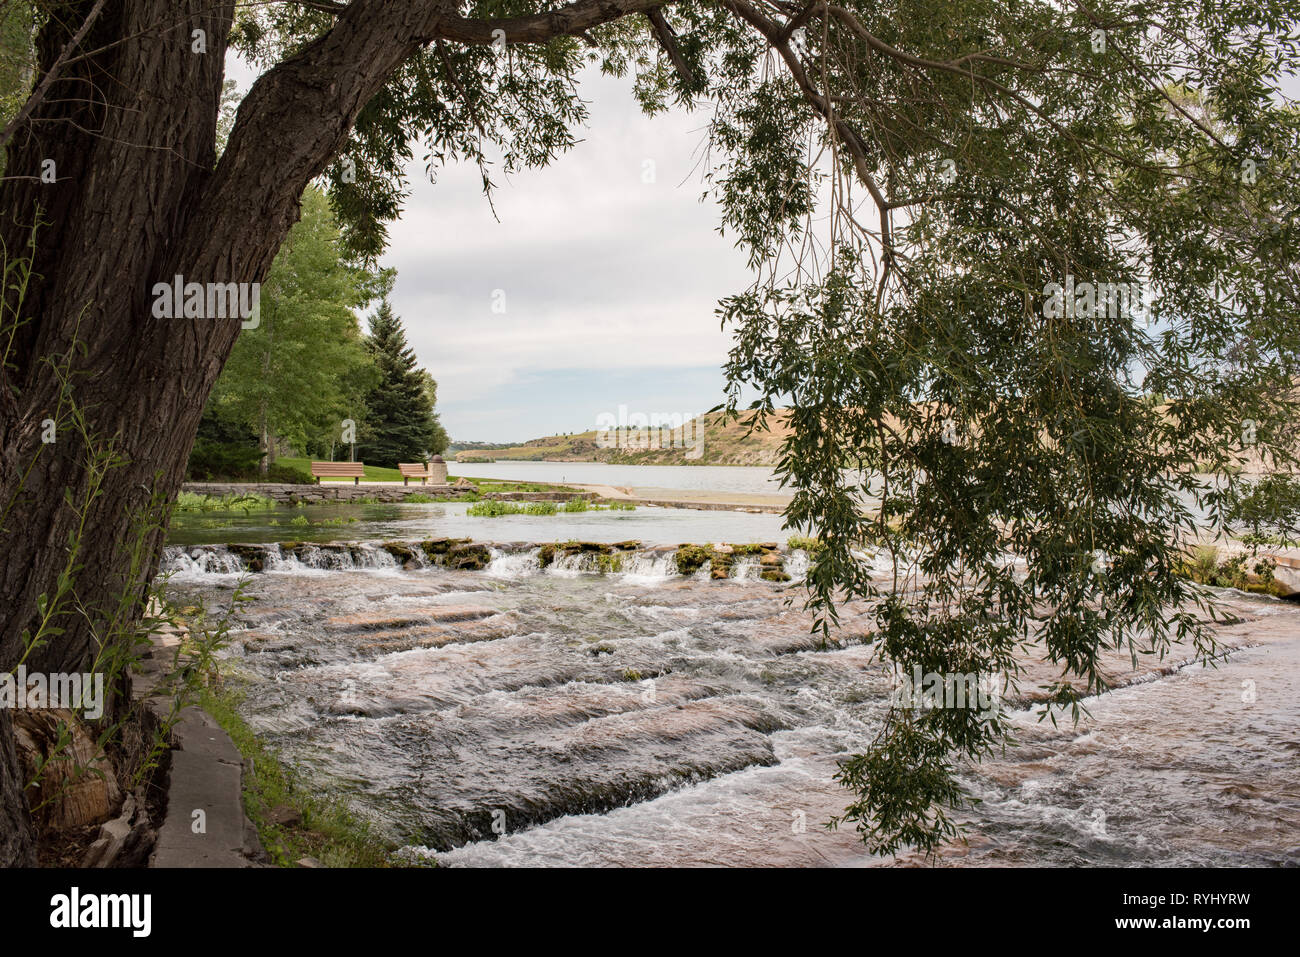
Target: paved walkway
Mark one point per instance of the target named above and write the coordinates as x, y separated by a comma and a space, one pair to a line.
205, 824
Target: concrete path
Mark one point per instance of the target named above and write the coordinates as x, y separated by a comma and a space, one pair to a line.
205, 824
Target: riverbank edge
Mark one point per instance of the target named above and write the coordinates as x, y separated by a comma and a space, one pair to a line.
204, 824
228, 795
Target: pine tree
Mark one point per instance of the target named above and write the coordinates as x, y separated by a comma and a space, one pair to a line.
400, 426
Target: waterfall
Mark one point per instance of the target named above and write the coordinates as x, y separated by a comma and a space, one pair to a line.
649, 566
516, 564
200, 560
508, 561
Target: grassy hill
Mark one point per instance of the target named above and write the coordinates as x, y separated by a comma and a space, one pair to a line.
720, 444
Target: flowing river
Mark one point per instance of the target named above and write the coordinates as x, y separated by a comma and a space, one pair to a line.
589, 713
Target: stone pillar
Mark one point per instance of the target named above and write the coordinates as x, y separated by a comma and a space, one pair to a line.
437, 469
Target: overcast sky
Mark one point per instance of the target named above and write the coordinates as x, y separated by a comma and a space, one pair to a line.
609, 282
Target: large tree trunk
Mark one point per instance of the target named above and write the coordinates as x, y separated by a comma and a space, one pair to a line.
17, 846
130, 123
132, 132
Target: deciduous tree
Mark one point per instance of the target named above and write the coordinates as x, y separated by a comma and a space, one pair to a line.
908, 177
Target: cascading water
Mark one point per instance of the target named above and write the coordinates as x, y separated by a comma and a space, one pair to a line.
602, 708
516, 564
505, 561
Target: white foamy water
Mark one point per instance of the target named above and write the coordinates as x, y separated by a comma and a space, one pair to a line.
517, 716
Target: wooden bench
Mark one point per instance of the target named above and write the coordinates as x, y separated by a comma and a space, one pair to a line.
413, 470
352, 470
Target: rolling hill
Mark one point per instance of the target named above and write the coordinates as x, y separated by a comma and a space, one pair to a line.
706, 440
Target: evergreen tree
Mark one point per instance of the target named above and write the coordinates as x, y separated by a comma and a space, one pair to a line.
400, 426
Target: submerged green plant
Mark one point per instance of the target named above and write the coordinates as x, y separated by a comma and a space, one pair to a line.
245, 502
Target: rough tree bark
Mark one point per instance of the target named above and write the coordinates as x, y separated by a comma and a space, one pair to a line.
130, 125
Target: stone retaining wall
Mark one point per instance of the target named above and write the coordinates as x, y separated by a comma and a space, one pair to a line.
327, 491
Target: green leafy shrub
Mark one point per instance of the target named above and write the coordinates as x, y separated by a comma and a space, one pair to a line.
215, 461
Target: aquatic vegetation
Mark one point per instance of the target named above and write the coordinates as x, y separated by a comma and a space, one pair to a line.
193, 502
336, 522
609, 564
492, 508
1205, 568
303, 521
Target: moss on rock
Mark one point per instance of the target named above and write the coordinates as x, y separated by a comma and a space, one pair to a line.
468, 557
253, 556
691, 558
436, 549
401, 551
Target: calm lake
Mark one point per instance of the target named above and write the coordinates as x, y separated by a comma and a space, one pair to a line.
715, 478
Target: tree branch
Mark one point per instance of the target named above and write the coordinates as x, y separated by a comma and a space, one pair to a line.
851, 138
569, 20
668, 40
50, 75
